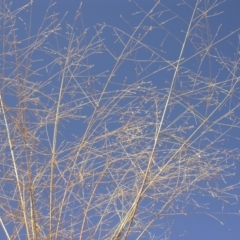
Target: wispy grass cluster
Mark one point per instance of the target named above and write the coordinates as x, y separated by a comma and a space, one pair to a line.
106, 132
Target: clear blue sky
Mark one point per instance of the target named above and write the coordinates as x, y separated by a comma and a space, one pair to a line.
165, 33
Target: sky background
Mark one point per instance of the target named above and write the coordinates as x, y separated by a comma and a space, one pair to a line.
166, 39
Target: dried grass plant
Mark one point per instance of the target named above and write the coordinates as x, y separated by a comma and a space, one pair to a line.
105, 136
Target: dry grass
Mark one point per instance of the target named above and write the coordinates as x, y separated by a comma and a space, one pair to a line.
104, 136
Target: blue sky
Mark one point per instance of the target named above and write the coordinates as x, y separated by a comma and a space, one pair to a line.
198, 120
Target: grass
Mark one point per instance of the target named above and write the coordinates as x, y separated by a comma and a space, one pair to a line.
109, 134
